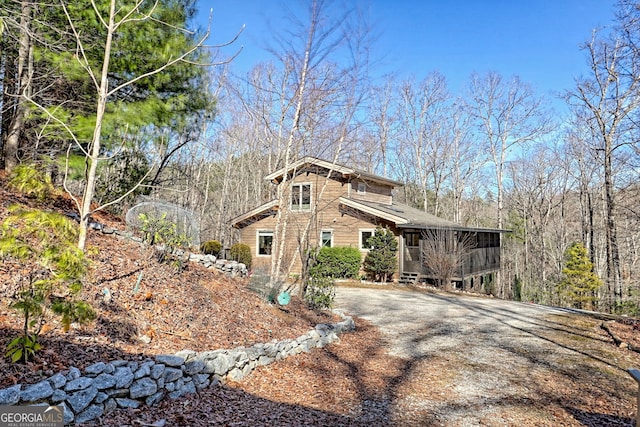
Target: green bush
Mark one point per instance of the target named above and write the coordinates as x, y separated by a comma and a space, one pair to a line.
381, 262
30, 180
163, 234
211, 247
337, 262
47, 242
241, 253
320, 293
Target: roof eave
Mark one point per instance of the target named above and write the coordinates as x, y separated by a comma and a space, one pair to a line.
256, 211
344, 170
397, 220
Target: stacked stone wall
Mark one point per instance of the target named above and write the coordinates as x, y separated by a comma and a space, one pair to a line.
105, 386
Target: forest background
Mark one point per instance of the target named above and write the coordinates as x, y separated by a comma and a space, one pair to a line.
118, 100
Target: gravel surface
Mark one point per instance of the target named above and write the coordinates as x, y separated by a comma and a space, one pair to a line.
481, 361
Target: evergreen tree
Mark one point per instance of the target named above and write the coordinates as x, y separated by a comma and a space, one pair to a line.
68, 48
579, 282
381, 260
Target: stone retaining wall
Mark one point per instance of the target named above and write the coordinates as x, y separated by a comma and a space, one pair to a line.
232, 268
103, 387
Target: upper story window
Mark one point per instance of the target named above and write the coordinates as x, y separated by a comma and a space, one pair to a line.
362, 188
301, 197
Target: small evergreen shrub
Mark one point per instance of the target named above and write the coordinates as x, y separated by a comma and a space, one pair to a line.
381, 262
47, 241
241, 253
579, 282
320, 293
211, 247
31, 181
339, 262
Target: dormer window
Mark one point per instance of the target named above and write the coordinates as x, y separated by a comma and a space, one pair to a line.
362, 188
301, 197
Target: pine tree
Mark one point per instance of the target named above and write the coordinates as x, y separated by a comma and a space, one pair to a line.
381, 260
579, 282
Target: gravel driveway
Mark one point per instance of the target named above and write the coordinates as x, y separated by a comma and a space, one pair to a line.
480, 361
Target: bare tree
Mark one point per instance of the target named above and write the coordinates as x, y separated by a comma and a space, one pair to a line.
508, 115
445, 251
536, 193
609, 99
305, 103
425, 148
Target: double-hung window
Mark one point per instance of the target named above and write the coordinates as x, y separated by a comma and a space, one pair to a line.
301, 197
326, 238
363, 237
265, 242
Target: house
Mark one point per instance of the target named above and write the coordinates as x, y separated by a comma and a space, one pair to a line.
336, 205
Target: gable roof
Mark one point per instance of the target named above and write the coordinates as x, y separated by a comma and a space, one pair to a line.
405, 216
256, 214
345, 171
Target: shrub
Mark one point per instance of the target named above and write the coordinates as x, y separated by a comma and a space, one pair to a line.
211, 247
241, 253
162, 232
337, 262
579, 283
320, 293
48, 242
30, 180
381, 260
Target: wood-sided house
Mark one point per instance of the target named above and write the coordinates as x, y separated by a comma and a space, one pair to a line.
349, 205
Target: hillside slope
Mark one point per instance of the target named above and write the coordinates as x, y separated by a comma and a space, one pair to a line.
143, 307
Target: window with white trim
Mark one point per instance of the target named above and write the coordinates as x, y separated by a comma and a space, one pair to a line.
326, 238
364, 235
265, 242
362, 188
301, 197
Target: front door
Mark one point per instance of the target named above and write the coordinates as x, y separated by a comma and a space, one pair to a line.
412, 261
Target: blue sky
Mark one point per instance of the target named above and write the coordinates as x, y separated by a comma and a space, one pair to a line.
537, 40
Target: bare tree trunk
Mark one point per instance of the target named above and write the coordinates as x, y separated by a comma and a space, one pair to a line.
94, 153
613, 255
12, 143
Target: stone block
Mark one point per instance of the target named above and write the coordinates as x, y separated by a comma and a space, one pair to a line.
80, 400
36, 392
95, 369
172, 374
91, 413
154, 398
103, 381
142, 388
127, 403
124, 377
58, 380
170, 360
78, 384
11, 395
